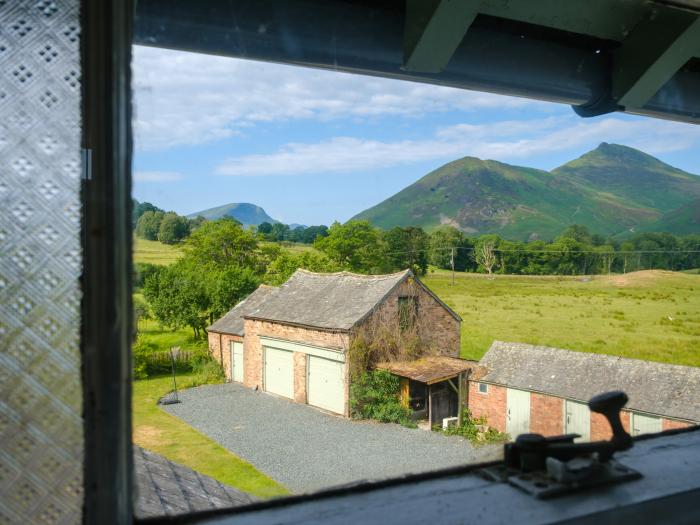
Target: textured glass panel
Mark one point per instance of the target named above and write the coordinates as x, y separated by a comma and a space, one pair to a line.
40, 263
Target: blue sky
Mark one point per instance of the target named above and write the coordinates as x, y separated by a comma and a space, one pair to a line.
313, 146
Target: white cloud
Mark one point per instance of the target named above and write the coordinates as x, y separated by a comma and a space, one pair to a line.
506, 141
157, 176
187, 98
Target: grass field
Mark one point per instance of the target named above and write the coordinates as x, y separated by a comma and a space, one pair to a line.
155, 430
653, 315
154, 252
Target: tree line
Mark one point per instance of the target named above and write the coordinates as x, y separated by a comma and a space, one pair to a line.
223, 262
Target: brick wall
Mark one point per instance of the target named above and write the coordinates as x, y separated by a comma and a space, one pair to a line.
220, 350
546, 414
253, 352
491, 405
299, 377
670, 424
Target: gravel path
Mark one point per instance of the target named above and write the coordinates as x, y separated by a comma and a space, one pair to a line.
306, 449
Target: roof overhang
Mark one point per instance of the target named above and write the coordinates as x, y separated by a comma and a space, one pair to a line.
637, 56
429, 369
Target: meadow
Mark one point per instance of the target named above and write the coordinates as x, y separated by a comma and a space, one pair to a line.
652, 315
154, 252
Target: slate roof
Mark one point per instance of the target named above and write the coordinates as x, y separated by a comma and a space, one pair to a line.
430, 369
232, 322
332, 301
164, 488
655, 388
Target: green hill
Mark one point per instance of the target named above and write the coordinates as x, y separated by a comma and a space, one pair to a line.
681, 221
611, 190
245, 213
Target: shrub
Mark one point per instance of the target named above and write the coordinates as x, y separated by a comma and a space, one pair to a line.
475, 430
375, 395
140, 351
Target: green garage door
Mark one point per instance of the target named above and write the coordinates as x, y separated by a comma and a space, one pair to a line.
326, 384
237, 361
279, 372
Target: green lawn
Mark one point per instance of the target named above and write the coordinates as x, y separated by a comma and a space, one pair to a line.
160, 432
653, 315
154, 252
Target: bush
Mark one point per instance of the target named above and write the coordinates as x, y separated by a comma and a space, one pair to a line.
475, 430
375, 395
140, 351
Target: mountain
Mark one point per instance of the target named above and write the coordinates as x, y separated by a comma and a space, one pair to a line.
681, 221
611, 190
245, 213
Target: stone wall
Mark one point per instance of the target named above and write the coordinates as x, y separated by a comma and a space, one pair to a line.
436, 326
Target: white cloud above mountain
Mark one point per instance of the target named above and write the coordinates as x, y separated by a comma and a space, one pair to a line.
507, 141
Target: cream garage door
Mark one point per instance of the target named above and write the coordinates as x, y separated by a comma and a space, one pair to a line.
642, 424
237, 361
577, 420
326, 384
518, 412
279, 372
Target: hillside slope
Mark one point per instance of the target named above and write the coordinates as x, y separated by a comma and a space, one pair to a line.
611, 189
244, 212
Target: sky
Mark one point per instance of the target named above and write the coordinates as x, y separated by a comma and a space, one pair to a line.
313, 146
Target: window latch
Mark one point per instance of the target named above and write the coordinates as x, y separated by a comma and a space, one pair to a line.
550, 466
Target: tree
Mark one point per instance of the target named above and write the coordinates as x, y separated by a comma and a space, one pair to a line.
173, 228
227, 287
265, 228
221, 243
148, 225
196, 222
355, 245
177, 296
313, 232
485, 254
287, 263
280, 232
578, 233
407, 248
441, 245
139, 208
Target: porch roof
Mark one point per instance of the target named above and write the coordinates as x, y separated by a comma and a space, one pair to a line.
429, 369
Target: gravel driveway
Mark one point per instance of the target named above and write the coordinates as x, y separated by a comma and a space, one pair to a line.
306, 449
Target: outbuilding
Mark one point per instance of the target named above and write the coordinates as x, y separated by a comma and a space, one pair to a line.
294, 341
523, 388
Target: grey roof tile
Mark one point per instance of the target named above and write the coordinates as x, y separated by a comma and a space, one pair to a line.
232, 322
167, 488
334, 301
655, 388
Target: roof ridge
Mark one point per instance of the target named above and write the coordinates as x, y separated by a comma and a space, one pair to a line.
595, 354
353, 274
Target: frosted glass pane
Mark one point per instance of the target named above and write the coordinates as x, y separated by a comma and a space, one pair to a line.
40, 263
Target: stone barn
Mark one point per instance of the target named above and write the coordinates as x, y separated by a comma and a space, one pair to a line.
294, 340
523, 388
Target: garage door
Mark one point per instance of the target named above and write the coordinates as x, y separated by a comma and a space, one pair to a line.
279, 376
518, 416
326, 384
645, 424
577, 420
237, 361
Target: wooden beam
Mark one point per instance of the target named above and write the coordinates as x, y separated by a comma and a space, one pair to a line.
654, 51
433, 30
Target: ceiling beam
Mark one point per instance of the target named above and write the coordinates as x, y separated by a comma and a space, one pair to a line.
654, 51
433, 30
